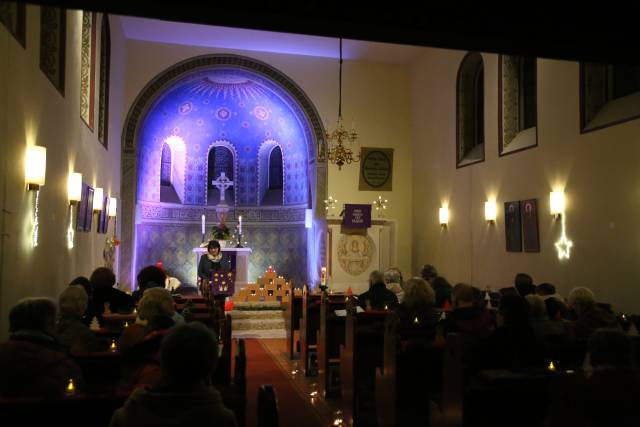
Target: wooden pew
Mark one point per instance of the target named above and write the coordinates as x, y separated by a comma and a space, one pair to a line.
234, 395
330, 338
360, 356
267, 406
309, 324
101, 371
412, 370
222, 375
292, 314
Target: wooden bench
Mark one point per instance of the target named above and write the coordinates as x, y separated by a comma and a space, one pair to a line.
411, 373
330, 337
360, 356
292, 314
309, 324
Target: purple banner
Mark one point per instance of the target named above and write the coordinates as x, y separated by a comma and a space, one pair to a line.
357, 216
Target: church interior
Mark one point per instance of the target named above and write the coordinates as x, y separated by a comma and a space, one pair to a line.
499, 161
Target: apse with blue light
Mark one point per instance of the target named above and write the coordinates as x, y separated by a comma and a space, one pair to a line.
232, 121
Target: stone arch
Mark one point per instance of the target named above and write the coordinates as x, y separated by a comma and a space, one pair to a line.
303, 108
229, 146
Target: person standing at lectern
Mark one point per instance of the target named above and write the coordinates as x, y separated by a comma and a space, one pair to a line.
214, 260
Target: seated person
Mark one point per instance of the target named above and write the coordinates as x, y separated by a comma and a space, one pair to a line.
607, 397
429, 273
589, 316
542, 326
70, 329
513, 345
443, 290
418, 303
86, 284
149, 277
393, 281
32, 363
378, 296
188, 357
469, 315
524, 284
102, 281
547, 290
155, 302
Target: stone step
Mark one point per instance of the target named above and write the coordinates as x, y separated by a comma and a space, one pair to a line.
267, 314
257, 324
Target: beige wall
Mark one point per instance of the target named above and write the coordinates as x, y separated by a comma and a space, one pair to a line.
375, 98
598, 171
33, 112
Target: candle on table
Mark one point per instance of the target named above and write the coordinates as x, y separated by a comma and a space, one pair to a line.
323, 276
240, 224
203, 224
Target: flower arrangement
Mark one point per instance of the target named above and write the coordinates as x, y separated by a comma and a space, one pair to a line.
221, 232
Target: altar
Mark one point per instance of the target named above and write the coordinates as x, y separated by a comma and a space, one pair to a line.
239, 262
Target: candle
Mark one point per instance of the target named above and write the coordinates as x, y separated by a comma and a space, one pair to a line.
240, 224
323, 276
203, 224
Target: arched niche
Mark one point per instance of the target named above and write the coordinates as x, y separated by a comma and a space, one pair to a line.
221, 157
270, 189
313, 161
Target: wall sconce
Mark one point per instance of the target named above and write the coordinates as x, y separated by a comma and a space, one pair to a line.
490, 211
443, 214
74, 188
74, 194
556, 203
36, 167
98, 196
113, 207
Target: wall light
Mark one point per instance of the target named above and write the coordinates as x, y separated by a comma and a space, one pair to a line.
556, 203
113, 207
98, 195
74, 188
35, 167
443, 213
490, 211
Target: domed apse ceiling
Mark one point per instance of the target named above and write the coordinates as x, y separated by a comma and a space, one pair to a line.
233, 107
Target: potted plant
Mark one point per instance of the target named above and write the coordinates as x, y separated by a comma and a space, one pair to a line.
221, 233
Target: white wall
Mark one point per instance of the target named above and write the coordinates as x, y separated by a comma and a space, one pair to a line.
598, 171
375, 97
33, 112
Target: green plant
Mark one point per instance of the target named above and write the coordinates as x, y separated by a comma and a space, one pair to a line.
221, 232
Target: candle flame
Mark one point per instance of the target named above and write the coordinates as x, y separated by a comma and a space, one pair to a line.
551, 366
113, 346
71, 387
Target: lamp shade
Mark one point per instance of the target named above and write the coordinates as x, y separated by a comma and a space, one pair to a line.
443, 214
556, 202
113, 206
98, 194
36, 165
490, 210
74, 187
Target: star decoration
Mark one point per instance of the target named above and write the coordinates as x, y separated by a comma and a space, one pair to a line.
380, 204
563, 246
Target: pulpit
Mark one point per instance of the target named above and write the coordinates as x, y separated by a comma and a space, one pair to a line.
239, 263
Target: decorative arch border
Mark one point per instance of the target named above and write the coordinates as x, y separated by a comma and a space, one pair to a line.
303, 108
226, 144
269, 144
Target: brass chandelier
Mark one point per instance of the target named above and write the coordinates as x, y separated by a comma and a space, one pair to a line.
340, 140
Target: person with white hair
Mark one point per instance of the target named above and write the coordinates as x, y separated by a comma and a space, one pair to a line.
589, 316
393, 281
70, 329
378, 297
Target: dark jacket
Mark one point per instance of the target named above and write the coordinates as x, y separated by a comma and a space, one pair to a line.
154, 407
75, 335
206, 266
477, 322
378, 296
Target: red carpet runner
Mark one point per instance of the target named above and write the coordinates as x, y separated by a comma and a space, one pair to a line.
261, 369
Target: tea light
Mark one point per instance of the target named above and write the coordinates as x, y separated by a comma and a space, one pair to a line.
71, 387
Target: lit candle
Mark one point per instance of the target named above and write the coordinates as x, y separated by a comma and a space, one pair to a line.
203, 224
323, 276
551, 366
113, 346
71, 388
240, 224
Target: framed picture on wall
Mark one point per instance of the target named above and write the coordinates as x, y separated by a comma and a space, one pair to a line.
103, 218
85, 209
530, 236
512, 226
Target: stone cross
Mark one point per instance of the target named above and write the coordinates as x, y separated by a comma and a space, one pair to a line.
222, 183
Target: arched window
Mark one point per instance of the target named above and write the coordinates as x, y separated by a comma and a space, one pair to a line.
105, 66
470, 111
275, 169
165, 169
518, 104
609, 94
220, 161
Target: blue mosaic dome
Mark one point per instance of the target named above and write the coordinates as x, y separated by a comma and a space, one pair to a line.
234, 107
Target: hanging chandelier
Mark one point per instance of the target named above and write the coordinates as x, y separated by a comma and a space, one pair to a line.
340, 140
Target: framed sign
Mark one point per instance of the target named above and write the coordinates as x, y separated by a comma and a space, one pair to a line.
376, 169
357, 216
